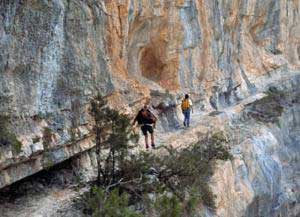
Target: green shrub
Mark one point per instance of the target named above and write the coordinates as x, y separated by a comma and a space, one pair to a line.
167, 206
16, 145
184, 174
47, 137
270, 108
109, 204
193, 201
7, 137
113, 132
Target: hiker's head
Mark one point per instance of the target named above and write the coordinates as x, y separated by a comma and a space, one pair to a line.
186, 96
144, 113
145, 107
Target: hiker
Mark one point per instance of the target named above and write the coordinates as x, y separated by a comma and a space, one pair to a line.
186, 107
147, 120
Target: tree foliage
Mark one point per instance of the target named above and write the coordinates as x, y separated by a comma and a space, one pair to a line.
113, 135
173, 183
109, 204
184, 173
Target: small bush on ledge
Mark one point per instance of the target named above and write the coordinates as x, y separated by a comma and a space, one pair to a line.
7, 138
270, 108
109, 204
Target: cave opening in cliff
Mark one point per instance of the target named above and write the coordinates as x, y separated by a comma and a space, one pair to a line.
59, 175
151, 64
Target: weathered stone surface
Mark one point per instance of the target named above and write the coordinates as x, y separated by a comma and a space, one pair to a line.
37, 148
263, 177
56, 55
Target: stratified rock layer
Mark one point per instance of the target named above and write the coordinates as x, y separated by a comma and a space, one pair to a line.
56, 55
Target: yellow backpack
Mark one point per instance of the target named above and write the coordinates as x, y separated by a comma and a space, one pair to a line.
185, 105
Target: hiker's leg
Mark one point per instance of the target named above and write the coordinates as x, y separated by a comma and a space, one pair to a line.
144, 130
146, 141
151, 131
188, 116
184, 121
152, 139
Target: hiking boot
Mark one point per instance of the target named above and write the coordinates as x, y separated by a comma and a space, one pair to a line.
147, 147
184, 124
153, 146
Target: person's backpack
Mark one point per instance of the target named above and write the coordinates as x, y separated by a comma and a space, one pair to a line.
148, 119
185, 105
151, 118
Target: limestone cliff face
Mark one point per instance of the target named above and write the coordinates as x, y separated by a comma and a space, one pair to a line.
263, 178
56, 55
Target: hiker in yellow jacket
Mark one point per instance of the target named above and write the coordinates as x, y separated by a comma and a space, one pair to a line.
186, 107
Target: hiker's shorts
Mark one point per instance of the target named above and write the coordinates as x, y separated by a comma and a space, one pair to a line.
147, 128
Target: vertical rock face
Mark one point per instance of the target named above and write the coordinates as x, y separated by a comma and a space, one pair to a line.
198, 45
56, 55
263, 178
52, 60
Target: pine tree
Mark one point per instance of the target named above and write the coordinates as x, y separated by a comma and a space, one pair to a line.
113, 131
99, 111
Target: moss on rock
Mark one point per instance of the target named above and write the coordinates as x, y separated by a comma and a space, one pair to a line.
268, 109
7, 138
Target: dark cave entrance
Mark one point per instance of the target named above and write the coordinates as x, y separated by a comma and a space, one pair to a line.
151, 63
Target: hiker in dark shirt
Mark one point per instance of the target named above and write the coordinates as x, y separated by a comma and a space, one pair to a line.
147, 120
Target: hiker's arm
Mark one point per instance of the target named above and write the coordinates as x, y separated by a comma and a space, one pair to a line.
135, 120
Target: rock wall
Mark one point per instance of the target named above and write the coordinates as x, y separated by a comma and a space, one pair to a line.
56, 55
263, 178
